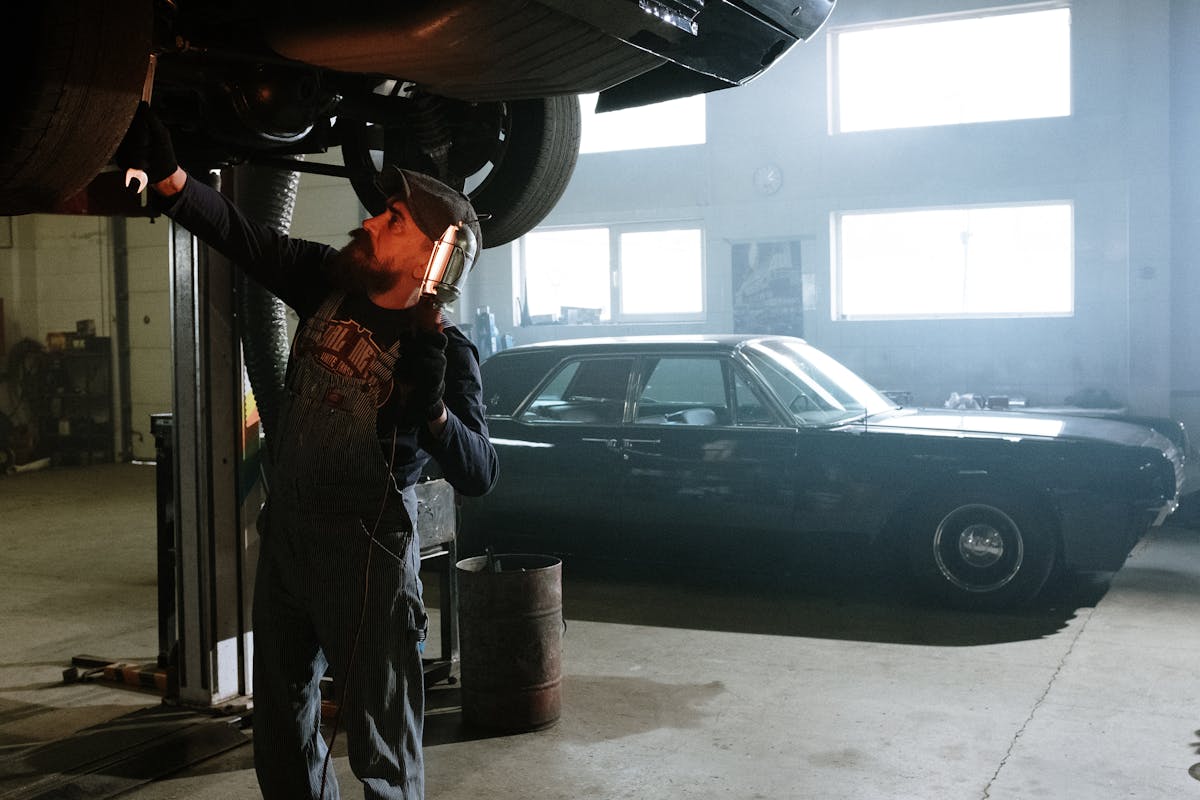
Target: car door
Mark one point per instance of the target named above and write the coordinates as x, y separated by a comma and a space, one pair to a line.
564, 461
707, 464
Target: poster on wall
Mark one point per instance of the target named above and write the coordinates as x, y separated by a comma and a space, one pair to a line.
768, 288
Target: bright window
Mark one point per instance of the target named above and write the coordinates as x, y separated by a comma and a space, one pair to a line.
660, 272
613, 274
566, 269
998, 65
667, 124
998, 261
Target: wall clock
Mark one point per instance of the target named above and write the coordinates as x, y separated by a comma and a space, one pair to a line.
768, 178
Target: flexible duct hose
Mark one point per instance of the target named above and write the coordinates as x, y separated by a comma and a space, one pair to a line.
267, 196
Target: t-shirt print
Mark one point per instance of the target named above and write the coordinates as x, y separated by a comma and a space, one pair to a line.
348, 349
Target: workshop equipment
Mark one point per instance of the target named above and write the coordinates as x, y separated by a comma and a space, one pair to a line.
510, 641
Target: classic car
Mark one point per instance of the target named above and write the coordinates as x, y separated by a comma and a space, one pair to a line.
692, 448
480, 93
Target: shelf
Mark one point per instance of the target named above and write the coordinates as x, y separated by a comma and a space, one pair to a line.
78, 397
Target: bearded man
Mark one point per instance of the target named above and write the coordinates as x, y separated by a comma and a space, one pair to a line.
377, 385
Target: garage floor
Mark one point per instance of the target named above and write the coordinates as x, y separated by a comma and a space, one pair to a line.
832, 684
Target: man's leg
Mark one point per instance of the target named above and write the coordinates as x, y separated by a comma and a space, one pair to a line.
384, 717
382, 689
289, 752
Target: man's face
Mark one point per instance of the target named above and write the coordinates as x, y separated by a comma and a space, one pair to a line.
386, 256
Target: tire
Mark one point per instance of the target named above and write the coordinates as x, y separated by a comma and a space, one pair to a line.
519, 167
981, 549
75, 71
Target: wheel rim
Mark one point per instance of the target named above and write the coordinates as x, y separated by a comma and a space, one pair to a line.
482, 135
978, 548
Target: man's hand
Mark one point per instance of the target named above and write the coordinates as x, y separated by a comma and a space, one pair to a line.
425, 372
147, 146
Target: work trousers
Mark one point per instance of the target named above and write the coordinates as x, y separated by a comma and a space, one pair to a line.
317, 606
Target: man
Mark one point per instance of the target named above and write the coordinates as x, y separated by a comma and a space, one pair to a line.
376, 385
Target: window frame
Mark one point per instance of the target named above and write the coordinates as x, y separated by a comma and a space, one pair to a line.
617, 315
837, 267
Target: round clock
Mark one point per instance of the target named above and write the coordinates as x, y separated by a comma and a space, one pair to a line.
768, 179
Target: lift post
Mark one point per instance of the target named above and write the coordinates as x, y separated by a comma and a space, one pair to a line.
216, 544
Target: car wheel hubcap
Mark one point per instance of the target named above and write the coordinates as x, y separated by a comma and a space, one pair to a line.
980, 545
978, 548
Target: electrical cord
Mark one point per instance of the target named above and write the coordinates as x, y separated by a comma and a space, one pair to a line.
362, 613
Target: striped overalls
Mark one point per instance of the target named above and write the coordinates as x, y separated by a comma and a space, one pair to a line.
317, 603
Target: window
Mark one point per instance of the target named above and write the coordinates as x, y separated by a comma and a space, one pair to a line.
999, 261
588, 391
613, 274
684, 391
999, 65
566, 269
667, 124
752, 409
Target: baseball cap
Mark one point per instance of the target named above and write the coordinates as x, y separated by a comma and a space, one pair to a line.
434, 206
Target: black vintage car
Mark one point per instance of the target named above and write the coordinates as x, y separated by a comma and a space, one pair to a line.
691, 448
479, 93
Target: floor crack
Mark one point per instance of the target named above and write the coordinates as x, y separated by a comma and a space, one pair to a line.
987, 790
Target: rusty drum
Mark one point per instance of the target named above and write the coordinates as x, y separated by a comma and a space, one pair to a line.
510, 641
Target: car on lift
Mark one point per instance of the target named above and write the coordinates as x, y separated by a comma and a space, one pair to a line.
480, 93
692, 449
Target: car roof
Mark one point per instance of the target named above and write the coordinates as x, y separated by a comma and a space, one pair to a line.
677, 342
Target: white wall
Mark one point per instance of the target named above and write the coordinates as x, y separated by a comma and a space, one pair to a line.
1112, 158
150, 362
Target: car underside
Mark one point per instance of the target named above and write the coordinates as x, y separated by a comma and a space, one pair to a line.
479, 93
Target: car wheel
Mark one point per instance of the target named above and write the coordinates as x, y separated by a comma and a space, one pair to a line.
514, 159
74, 73
981, 549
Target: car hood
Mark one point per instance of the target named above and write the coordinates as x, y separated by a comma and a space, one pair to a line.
1010, 424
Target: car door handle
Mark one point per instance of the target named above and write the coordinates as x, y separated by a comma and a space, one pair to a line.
611, 444
629, 442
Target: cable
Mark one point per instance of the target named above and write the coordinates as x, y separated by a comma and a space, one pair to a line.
362, 613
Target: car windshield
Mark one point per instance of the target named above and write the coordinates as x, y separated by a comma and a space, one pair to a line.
816, 389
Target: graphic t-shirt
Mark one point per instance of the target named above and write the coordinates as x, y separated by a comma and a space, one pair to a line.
292, 270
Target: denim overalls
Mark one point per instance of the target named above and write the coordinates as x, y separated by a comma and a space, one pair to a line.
333, 509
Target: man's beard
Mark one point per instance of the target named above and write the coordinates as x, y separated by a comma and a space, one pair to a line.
355, 269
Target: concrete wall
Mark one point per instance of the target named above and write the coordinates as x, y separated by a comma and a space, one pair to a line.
57, 272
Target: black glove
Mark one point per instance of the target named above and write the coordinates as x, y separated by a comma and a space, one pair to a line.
424, 370
147, 146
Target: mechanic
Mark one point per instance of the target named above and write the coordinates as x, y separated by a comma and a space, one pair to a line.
377, 383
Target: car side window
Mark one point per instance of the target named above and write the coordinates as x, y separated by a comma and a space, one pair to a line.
683, 391
585, 391
750, 407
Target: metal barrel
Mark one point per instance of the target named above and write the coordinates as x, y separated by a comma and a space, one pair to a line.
510, 641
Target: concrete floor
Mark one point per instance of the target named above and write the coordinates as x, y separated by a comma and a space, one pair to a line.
832, 684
